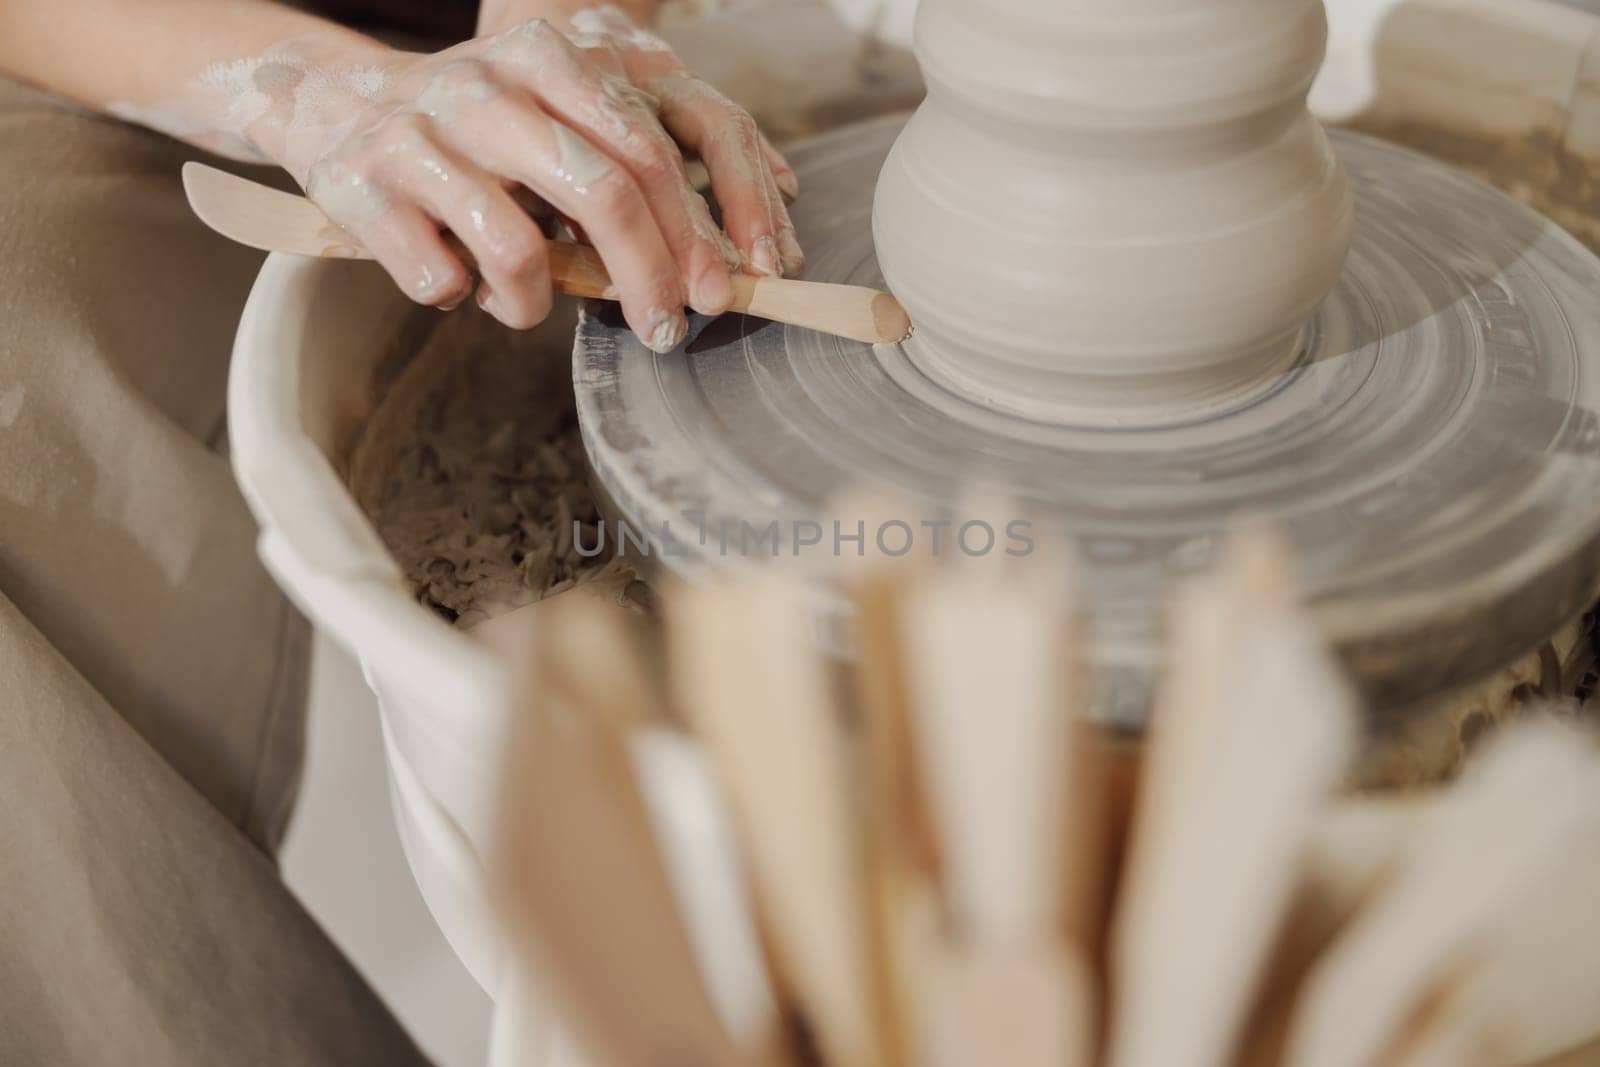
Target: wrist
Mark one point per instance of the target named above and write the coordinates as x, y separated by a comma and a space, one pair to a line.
299, 98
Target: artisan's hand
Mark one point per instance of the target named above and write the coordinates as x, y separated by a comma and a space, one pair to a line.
588, 120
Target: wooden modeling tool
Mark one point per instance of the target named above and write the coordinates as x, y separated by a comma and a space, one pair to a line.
902, 850
1457, 954
275, 221
747, 677
932, 864
989, 698
1252, 729
582, 886
989, 649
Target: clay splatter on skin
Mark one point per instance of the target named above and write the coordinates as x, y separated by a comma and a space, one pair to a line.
630, 114
628, 97
289, 82
277, 77
738, 148
633, 117
437, 101
589, 41
346, 195
534, 38
441, 97
578, 162
368, 82
318, 115
233, 84
608, 20
667, 330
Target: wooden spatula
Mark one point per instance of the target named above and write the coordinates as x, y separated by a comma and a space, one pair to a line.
275, 221
1251, 730
761, 702
989, 649
583, 890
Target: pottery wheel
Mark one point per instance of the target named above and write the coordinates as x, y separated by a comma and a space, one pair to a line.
1434, 452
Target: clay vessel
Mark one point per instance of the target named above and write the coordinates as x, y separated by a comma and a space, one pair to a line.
1112, 212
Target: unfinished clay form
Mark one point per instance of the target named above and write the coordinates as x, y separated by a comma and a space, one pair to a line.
1434, 455
1112, 213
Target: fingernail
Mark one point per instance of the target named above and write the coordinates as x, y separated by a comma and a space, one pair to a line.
457, 302
667, 330
794, 260
788, 184
764, 257
487, 301
713, 290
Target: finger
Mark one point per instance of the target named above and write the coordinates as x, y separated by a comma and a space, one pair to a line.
782, 172
727, 140
789, 251
508, 246
614, 215
620, 120
397, 233
513, 139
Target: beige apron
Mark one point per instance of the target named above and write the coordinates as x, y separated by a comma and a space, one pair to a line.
152, 679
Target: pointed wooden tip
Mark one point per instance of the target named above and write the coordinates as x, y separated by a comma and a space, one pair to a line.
889, 319
870, 316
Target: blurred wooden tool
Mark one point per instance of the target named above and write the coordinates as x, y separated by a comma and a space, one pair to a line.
935, 865
902, 853
582, 885
1481, 947
747, 678
990, 653
1251, 732
275, 221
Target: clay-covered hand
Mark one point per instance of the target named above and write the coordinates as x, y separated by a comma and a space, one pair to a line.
589, 119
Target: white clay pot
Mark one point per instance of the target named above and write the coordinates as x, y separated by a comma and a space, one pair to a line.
1112, 212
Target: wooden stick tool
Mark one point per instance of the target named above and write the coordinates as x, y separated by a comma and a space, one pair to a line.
275, 221
582, 886
763, 707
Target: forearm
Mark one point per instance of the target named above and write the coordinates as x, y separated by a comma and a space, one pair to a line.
220, 75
